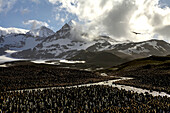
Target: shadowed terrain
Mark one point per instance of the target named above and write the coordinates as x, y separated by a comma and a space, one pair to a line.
24, 74
151, 73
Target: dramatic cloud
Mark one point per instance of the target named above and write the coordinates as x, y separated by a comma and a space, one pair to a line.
35, 23
165, 30
119, 18
6, 5
150, 18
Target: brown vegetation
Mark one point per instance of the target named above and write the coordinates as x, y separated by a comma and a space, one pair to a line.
152, 73
29, 75
92, 99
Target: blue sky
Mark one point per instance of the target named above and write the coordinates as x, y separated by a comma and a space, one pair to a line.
117, 18
24, 10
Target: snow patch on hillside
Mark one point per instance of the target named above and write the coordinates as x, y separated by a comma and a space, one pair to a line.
135, 49
153, 44
72, 62
5, 58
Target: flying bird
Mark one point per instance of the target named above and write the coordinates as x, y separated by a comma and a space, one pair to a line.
136, 33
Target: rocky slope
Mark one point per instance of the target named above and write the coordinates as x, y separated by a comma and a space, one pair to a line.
63, 45
43, 43
143, 49
17, 42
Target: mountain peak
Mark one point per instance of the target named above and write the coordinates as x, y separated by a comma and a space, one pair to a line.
66, 27
43, 31
71, 23
43, 27
64, 30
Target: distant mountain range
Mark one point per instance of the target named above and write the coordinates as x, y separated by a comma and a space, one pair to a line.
43, 43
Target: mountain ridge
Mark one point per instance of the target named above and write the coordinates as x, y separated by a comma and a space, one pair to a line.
62, 45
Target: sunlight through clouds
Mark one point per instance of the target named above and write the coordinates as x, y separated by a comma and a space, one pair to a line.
120, 17
116, 18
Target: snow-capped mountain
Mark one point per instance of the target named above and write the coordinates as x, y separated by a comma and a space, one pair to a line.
63, 45
17, 42
142, 49
41, 32
5, 31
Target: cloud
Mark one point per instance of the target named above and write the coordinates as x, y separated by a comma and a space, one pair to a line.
119, 18
62, 16
6, 5
35, 24
164, 31
53, 1
36, 1
24, 11
57, 17
62, 20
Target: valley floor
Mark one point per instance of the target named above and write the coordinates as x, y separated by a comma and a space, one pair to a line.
32, 87
26, 75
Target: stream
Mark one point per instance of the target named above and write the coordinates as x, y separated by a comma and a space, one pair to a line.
110, 83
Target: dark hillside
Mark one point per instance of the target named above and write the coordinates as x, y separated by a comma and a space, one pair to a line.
21, 75
151, 73
99, 59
